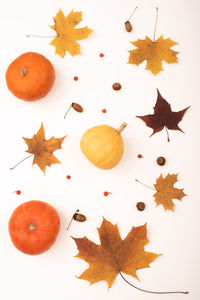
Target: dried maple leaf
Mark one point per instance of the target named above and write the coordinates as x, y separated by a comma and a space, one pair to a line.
67, 34
166, 191
154, 52
114, 255
42, 149
163, 116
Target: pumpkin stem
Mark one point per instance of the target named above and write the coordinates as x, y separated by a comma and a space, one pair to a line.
32, 227
152, 292
121, 128
23, 71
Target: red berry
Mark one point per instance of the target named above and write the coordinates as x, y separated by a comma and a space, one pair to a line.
139, 156
104, 110
101, 55
18, 192
105, 193
75, 78
68, 177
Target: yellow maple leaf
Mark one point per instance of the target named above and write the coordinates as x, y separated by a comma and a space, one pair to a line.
42, 149
67, 34
114, 255
166, 191
154, 52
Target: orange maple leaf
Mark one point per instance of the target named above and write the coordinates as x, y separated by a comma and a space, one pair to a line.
67, 34
166, 191
154, 52
42, 149
114, 255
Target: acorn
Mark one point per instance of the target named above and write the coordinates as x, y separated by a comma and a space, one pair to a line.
77, 107
161, 161
140, 206
128, 26
79, 217
116, 86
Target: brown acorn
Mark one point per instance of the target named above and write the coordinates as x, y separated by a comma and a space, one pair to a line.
140, 206
116, 86
77, 107
79, 217
161, 161
128, 26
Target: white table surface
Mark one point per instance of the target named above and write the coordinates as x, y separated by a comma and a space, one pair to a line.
51, 275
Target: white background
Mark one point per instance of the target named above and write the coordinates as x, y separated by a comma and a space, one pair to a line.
51, 275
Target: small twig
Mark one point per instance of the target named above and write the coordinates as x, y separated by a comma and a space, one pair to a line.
40, 36
67, 111
72, 218
154, 35
151, 292
132, 13
167, 134
21, 162
146, 185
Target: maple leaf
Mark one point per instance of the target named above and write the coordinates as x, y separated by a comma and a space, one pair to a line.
67, 34
166, 191
163, 116
154, 52
42, 149
114, 255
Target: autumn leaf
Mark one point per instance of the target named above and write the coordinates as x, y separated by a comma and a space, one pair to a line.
42, 149
166, 191
67, 34
163, 116
114, 255
154, 52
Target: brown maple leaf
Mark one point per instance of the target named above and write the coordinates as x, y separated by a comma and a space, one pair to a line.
67, 34
166, 191
114, 255
163, 116
42, 149
154, 52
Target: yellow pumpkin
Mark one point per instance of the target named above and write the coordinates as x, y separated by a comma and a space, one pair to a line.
103, 145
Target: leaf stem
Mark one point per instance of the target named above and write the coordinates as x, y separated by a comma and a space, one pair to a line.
154, 35
167, 134
67, 111
132, 13
146, 185
40, 36
21, 162
151, 292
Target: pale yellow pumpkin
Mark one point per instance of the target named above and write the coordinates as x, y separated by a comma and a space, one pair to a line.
103, 145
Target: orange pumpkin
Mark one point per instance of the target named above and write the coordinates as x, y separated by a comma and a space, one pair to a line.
30, 76
34, 226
